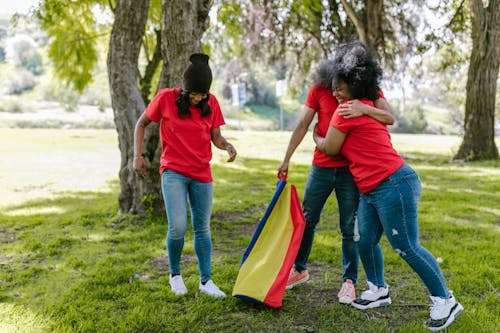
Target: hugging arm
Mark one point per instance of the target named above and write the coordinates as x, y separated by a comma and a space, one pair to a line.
381, 112
331, 144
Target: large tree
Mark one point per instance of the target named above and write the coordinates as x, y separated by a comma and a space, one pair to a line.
479, 136
130, 18
135, 27
182, 25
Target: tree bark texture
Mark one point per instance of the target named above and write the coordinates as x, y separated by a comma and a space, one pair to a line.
183, 25
127, 102
368, 23
479, 135
373, 20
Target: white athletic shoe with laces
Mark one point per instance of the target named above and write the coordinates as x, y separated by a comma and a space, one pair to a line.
374, 297
211, 289
177, 285
443, 312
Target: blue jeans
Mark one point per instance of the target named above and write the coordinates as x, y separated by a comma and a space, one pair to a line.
320, 184
176, 190
392, 208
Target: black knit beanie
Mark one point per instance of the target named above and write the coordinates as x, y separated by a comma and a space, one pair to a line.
198, 76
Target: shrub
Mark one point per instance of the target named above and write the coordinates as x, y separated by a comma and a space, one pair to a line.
411, 121
18, 81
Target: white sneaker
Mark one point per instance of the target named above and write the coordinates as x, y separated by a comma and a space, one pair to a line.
374, 297
211, 289
443, 312
177, 285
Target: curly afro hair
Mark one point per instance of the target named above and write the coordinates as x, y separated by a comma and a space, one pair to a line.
355, 65
324, 74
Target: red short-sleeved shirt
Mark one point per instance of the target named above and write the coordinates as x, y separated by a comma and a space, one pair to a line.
324, 103
368, 149
186, 142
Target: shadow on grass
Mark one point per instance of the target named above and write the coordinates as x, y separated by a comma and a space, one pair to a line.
73, 265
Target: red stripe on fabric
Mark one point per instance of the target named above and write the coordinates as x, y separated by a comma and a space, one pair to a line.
275, 294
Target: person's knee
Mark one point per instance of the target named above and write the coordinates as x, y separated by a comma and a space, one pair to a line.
177, 232
408, 253
347, 230
366, 242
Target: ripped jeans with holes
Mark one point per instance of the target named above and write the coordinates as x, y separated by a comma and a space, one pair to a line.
391, 208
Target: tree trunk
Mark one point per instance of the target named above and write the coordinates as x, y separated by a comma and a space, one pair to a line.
368, 23
127, 102
373, 17
479, 136
183, 25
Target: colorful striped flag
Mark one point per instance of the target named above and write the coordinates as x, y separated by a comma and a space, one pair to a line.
270, 255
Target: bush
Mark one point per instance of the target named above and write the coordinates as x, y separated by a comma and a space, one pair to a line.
22, 51
18, 81
11, 106
411, 121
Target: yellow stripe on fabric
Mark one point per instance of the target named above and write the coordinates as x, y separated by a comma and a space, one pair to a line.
260, 269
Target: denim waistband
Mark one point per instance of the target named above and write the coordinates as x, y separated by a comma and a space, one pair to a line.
402, 172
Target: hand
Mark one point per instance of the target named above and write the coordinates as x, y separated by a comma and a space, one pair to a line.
318, 139
283, 170
351, 109
316, 135
231, 151
140, 166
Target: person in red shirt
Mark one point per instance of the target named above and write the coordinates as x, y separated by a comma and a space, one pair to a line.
390, 189
190, 119
327, 174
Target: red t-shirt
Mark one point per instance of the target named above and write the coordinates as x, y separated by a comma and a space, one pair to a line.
186, 142
324, 103
368, 149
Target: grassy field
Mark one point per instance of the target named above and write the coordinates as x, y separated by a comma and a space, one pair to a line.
69, 263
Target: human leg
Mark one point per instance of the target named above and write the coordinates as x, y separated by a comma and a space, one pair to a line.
174, 188
200, 200
319, 186
370, 232
347, 198
398, 207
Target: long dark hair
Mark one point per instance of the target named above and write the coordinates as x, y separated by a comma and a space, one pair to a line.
355, 65
183, 105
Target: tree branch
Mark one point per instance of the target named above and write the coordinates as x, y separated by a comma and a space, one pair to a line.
360, 28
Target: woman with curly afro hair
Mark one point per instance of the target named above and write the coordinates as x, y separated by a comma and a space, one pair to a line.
390, 189
329, 174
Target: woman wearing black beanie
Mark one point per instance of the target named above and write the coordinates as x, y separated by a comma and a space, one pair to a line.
190, 119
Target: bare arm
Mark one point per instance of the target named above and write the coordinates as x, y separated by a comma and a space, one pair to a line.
381, 112
297, 136
221, 143
332, 143
139, 131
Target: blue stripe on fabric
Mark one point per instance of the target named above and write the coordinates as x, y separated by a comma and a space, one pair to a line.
251, 299
280, 185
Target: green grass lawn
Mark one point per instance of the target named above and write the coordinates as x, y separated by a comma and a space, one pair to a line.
69, 263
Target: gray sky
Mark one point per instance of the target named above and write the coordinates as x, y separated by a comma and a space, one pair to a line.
9, 7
